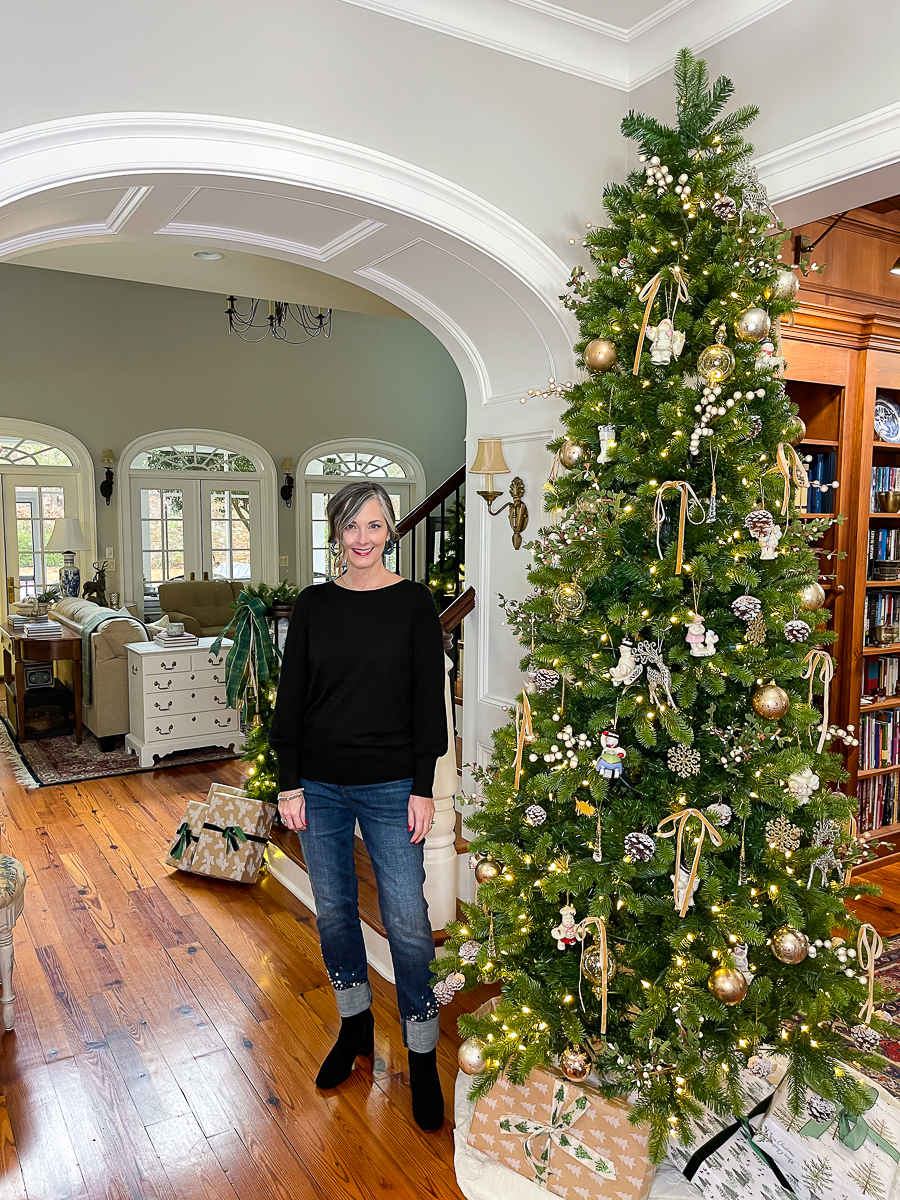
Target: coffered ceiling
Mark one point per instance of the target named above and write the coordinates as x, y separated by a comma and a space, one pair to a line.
621, 43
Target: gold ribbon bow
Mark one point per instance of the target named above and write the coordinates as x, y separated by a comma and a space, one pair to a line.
678, 821
580, 932
868, 948
648, 293
688, 498
524, 733
821, 661
789, 467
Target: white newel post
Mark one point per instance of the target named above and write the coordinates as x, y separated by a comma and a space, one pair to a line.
440, 843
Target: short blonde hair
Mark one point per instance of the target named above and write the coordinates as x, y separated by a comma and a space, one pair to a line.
345, 505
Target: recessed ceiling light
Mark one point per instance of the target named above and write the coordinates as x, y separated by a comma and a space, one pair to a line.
208, 255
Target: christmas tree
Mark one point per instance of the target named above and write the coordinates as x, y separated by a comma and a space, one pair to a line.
663, 847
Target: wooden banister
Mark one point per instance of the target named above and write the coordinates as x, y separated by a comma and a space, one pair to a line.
430, 503
454, 613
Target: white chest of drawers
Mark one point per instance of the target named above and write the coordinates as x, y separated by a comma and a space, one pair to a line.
177, 700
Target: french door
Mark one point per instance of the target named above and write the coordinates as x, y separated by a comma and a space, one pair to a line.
32, 502
317, 496
185, 527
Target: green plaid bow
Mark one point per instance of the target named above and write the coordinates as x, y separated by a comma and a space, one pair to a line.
253, 658
562, 1118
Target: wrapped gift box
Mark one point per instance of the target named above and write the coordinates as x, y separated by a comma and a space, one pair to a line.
565, 1136
233, 835
181, 852
845, 1158
722, 1161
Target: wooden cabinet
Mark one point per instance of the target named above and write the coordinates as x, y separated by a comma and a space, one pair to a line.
177, 700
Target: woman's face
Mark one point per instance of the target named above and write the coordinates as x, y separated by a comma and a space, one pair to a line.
366, 535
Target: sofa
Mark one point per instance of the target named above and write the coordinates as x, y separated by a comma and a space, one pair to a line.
105, 633
203, 605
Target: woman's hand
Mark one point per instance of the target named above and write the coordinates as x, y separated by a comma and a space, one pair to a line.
421, 817
292, 809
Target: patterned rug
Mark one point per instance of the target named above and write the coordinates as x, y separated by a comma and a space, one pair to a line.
888, 972
46, 762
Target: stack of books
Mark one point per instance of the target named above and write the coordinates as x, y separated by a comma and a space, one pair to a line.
170, 640
43, 629
19, 623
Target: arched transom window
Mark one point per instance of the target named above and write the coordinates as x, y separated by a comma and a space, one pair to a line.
193, 458
26, 452
355, 464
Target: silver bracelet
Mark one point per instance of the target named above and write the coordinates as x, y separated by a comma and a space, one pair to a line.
291, 795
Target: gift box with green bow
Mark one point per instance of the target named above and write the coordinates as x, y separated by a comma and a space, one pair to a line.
565, 1137
233, 836
827, 1153
187, 835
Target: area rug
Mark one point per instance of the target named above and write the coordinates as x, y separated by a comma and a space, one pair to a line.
48, 762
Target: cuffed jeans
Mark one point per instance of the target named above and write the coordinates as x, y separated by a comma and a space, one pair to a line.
332, 811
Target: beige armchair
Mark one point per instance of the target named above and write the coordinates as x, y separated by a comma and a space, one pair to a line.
202, 604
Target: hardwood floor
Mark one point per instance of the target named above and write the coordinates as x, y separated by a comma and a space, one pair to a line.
169, 1027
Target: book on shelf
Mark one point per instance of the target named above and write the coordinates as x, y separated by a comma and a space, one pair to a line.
820, 469
882, 608
881, 674
884, 547
879, 740
877, 801
884, 479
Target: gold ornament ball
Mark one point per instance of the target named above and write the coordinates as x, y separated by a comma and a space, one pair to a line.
812, 596
600, 355
716, 363
789, 945
569, 600
784, 286
771, 702
486, 871
795, 430
753, 325
470, 1056
571, 454
575, 1063
727, 985
592, 965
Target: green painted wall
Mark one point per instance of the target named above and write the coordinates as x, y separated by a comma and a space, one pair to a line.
109, 360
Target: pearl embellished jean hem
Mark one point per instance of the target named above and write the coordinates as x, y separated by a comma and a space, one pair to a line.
332, 811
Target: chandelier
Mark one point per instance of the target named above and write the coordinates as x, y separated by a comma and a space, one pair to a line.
311, 320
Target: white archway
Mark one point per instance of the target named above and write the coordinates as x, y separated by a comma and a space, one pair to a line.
265, 473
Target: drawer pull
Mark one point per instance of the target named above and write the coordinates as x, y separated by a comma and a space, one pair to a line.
163, 707
193, 718
134, 670
164, 732
223, 724
171, 668
217, 700
218, 679
162, 688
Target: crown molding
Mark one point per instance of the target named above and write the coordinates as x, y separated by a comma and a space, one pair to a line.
278, 246
551, 35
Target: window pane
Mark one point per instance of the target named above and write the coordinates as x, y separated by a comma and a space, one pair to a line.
319, 500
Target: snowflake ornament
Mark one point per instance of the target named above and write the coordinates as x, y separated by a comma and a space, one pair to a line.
782, 835
683, 760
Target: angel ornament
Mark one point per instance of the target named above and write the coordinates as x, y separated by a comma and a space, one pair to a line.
667, 343
768, 544
627, 669
566, 932
681, 887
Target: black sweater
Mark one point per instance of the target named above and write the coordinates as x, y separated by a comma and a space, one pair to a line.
361, 690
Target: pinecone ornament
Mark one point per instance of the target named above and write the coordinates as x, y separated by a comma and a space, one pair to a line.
746, 607
797, 630
640, 846
546, 679
756, 424
725, 208
821, 1109
455, 981
443, 992
866, 1037
720, 813
760, 522
760, 1066
468, 951
535, 815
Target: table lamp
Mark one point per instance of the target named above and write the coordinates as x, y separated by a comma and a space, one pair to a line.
65, 539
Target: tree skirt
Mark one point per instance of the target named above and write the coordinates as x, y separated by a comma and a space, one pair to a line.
44, 762
888, 972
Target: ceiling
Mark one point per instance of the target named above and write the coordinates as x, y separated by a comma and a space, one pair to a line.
889, 205
620, 43
239, 273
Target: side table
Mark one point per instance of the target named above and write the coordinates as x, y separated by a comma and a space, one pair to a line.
17, 651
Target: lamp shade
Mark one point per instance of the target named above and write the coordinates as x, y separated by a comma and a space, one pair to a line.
489, 460
66, 535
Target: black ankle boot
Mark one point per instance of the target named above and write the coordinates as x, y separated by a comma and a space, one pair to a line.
427, 1097
357, 1037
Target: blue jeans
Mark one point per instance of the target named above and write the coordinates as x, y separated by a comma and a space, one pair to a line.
332, 811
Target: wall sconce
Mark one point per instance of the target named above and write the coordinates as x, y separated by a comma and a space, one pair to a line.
287, 488
106, 487
489, 461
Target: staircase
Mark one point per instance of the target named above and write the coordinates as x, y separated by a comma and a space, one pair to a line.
430, 536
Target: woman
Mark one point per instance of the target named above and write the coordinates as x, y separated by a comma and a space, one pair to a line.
359, 724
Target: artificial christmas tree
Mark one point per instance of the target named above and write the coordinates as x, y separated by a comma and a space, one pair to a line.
678, 757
